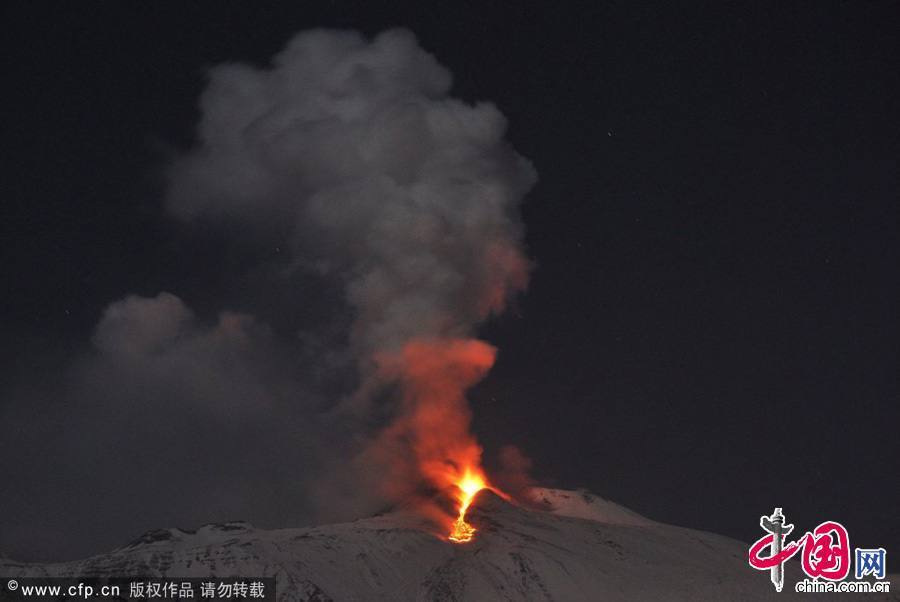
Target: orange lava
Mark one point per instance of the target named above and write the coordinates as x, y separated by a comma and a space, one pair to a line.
434, 422
468, 486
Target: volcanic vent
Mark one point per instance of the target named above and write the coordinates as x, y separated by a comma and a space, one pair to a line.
354, 155
604, 552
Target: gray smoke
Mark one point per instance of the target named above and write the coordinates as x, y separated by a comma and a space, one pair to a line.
168, 420
351, 154
354, 152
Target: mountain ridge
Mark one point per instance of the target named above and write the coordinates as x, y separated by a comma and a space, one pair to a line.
578, 547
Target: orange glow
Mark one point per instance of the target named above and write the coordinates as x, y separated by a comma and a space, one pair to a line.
435, 418
468, 486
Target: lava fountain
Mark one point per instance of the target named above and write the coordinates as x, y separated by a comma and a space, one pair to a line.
435, 423
470, 485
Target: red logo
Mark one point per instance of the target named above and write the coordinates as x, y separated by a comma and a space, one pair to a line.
826, 550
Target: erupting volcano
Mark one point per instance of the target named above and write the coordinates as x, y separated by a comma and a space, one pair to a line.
380, 181
433, 376
469, 486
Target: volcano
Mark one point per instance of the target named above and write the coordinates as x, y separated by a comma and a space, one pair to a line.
571, 546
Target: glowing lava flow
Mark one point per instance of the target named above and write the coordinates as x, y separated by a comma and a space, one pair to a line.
434, 375
468, 486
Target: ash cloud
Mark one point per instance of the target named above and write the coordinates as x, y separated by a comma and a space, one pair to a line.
168, 420
352, 154
356, 154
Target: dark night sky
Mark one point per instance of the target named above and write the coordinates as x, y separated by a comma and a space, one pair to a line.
711, 329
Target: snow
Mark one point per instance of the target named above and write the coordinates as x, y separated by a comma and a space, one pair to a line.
582, 504
581, 547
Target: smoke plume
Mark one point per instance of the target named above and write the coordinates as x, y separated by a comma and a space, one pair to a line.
355, 154
350, 154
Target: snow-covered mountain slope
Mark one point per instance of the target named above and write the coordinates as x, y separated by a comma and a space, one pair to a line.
581, 548
581, 504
